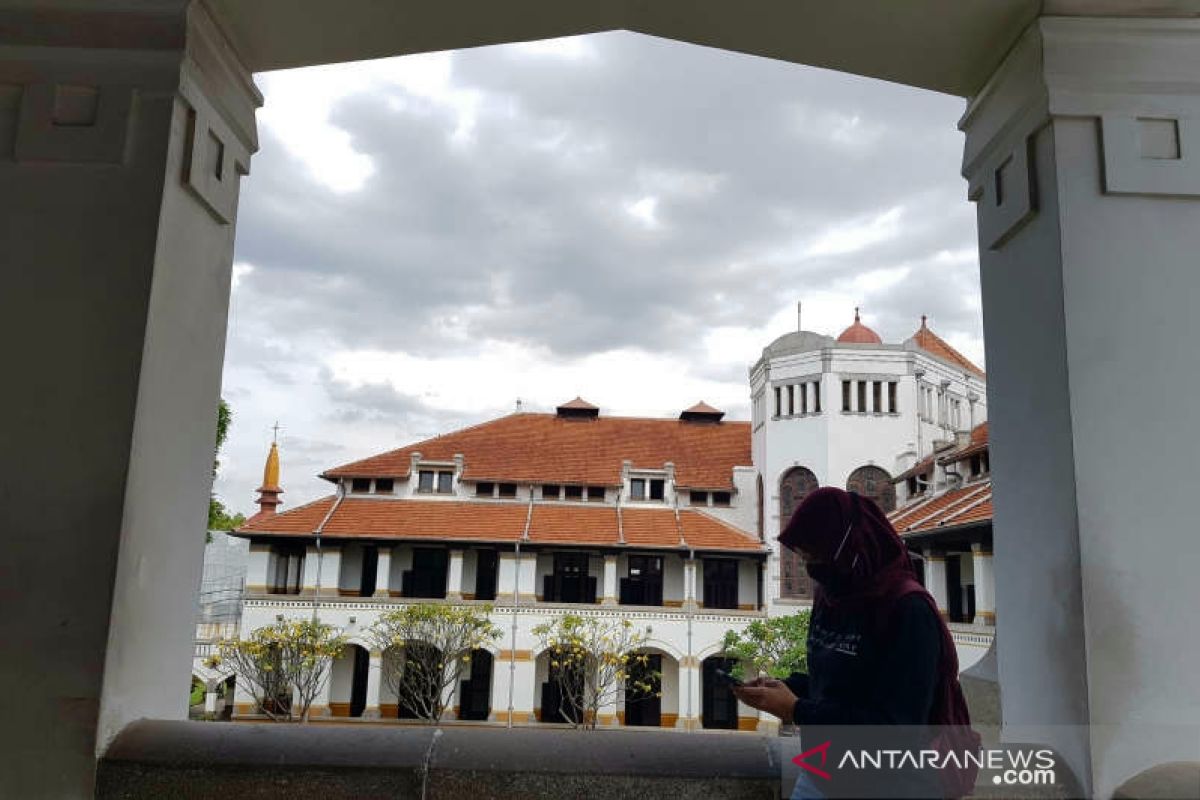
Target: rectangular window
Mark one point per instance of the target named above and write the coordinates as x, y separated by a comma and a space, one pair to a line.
845, 395
778, 401
816, 397
486, 568
506, 490
485, 489
637, 489
425, 480
657, 488
595, 494
698, 498
891, 397
445, 483
427, 578
862, 396
720, 583
643, 587
570, 581
550, 491
360, 485
791, 399
721, 498
573, 492
385, 485
877, 396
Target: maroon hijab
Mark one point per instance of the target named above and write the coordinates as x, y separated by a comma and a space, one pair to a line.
874, 571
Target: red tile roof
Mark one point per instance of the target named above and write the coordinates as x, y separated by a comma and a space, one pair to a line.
301, 519
930, 342
500, 522
967, 504
544, 448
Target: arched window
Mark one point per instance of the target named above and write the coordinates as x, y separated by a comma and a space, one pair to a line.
875, 483
795, 485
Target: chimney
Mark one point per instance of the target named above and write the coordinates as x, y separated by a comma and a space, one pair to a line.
799, 319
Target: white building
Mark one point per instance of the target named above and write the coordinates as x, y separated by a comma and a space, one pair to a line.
850, 412
538, 515
666, 522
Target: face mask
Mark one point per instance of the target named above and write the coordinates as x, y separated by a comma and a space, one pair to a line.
829, 578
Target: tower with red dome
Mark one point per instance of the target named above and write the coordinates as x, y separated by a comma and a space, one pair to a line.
852, 411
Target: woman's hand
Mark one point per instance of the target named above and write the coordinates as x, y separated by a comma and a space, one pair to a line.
770, 695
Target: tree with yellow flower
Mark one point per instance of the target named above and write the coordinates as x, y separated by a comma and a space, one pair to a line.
283, 666
593, 662
426, 648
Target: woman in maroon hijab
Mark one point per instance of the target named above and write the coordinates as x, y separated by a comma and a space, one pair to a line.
879, 653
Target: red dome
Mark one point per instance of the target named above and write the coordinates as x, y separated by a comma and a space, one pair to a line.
859, 333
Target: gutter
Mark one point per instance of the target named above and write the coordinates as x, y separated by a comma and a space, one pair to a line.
341, 495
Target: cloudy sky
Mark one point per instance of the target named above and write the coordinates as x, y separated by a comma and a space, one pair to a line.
424, 240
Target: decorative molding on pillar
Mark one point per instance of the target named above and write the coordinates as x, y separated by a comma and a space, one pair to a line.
75, 123
221, 99
998, 159
1138, 78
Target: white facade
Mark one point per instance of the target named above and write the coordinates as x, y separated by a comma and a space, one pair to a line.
902, 401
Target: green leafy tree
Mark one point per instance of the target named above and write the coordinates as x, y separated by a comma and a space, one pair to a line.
592, 663
777, 646
284, 666
219, 518
426, 647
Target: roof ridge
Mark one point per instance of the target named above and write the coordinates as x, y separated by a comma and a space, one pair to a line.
429, 439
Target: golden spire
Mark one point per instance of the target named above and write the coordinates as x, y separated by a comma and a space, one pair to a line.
271, 470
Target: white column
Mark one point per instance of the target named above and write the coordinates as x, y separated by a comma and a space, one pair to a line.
118, 249
311, 558
506, 578
258, 562
374, 684
690, 583
454, 575
609, 595
210, 703
383, 571
1081, 152
331, 569
935, 579
527, 577
985, 597
689, 694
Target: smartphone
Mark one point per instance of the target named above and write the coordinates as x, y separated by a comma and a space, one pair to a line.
725, 678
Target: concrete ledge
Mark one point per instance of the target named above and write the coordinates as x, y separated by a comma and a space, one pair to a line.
154, 759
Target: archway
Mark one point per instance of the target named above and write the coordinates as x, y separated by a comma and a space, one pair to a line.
553, 704
348, 682
475, 689
718, 706
658, 705
875, 483
794, 486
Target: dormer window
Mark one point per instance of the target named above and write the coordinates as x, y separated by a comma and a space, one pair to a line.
485, 489
573, 492
506, 490
647, 489
595, 494
721, 498
385, 485
431, 481
360, 485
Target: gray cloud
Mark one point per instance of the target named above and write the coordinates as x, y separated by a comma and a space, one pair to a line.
521, 231
526, 241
